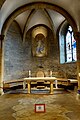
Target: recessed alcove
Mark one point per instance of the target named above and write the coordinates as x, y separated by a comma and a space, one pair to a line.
18, 57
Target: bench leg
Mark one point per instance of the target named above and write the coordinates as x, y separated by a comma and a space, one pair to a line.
56, 84
24, 85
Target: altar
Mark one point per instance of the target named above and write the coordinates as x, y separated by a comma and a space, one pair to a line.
36, 79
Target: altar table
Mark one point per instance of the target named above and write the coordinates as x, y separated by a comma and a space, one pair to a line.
36, 79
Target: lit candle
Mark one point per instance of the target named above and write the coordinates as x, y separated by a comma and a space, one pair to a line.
29, 73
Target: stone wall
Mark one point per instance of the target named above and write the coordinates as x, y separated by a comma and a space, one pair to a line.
13, 53
18, 59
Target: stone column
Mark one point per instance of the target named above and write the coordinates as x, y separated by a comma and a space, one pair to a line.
77, 38
1, 80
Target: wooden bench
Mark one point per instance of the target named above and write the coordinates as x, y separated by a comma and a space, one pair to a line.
57, 81
67, 83
12, 83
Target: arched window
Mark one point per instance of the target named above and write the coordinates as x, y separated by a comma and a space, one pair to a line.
70, 46
67, 45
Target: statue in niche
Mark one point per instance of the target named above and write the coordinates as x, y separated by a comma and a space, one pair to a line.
39, 46
40, 49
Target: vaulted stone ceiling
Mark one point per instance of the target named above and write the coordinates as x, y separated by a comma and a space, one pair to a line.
52, 17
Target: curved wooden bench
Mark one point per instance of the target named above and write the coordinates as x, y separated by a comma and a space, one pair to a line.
12, 83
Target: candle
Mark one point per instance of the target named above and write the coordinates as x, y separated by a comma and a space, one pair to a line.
29, 73
50, 73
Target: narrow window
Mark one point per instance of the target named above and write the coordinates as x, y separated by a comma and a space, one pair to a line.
67, 45
70, 46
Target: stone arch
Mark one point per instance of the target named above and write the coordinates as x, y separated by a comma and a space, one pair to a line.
29, 18
38, 5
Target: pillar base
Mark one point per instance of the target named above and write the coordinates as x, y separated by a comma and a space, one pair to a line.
1, 93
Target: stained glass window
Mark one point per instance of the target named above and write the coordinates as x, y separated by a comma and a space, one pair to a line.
67, 45
70, 46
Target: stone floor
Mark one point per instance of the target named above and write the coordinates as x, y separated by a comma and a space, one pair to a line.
18, 105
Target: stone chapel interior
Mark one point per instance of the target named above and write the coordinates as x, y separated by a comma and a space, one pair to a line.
39, 38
